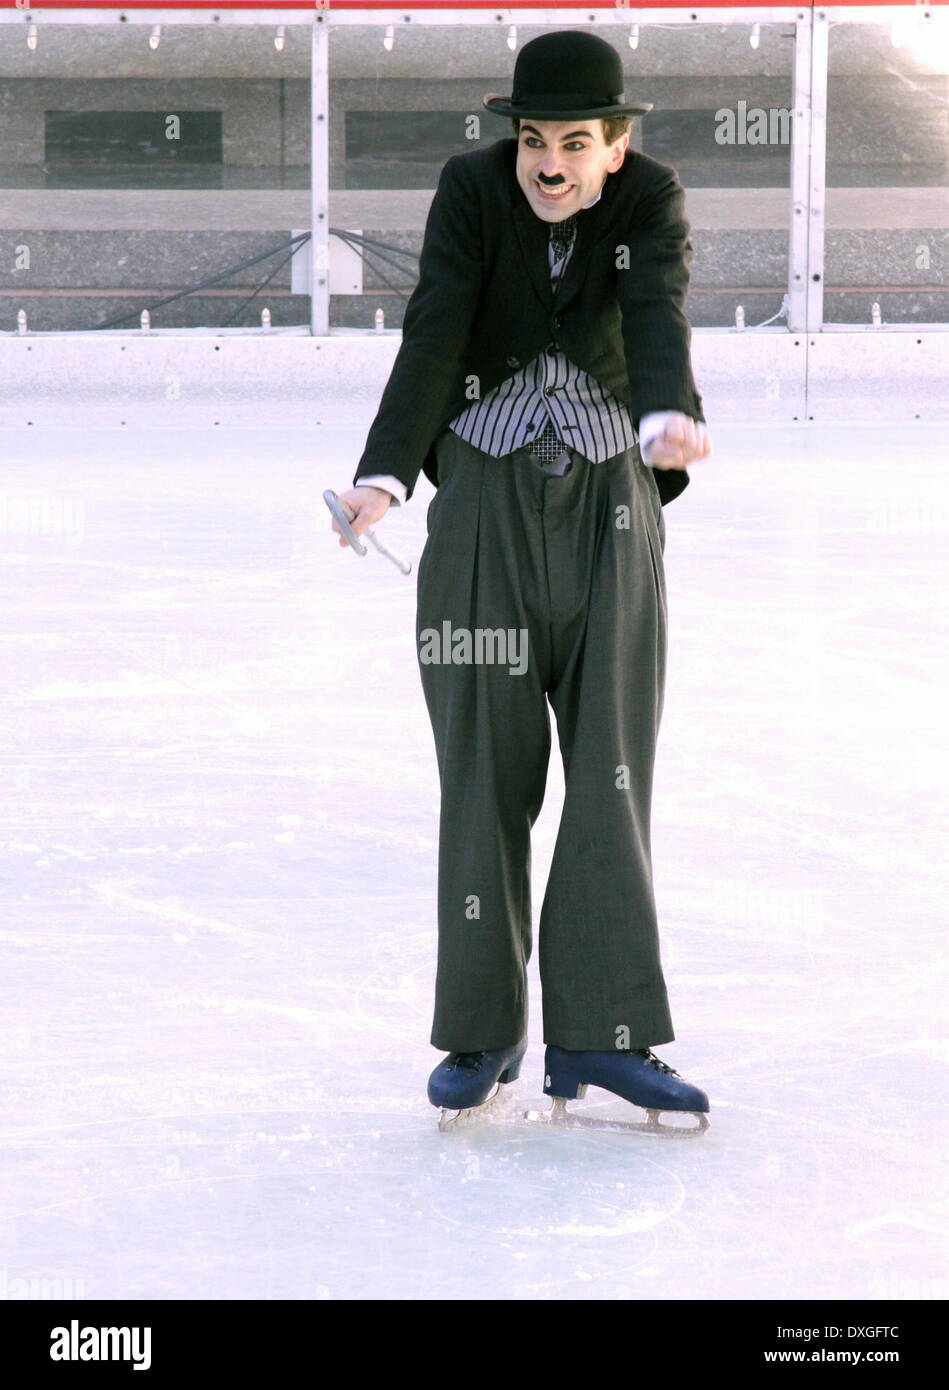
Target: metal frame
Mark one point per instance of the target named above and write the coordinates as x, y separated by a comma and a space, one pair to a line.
319, 179
809, 91
817, 170
799, 228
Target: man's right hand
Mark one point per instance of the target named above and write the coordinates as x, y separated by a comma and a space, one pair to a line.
370, 505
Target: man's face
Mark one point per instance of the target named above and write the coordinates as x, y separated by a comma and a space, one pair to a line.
571, 156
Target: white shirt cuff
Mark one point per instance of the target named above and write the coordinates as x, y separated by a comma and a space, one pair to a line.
650, 426
387, 483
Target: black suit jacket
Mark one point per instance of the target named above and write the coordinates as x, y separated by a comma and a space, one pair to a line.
484, 304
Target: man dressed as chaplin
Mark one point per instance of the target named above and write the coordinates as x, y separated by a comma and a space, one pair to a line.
544, 385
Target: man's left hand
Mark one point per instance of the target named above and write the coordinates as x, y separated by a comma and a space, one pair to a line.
681, 442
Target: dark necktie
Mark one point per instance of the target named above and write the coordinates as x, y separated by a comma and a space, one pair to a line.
562, 235
548, 445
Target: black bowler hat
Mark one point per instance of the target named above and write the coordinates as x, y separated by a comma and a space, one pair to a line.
564, 75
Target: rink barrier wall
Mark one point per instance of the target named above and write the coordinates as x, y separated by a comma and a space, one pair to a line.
810, 26
204, 377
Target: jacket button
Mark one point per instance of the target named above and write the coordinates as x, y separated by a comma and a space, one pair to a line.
558, 323
513, 361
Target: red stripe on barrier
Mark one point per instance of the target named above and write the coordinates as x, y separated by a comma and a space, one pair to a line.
421, 6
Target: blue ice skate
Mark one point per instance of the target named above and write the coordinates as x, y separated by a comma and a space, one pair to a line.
463, 1082
637, 1076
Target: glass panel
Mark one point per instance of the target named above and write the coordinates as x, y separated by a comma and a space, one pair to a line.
721, 118
887, 163
131, 173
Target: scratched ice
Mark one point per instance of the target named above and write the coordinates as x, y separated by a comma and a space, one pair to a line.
219, 840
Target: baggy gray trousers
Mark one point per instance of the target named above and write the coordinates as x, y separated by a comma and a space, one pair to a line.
575, 565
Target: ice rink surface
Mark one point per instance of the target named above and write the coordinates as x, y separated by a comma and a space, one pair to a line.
219, 859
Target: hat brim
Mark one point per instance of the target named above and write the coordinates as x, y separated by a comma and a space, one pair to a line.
502, 106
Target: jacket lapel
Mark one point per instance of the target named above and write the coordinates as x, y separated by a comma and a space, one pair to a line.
592, 227
533, 237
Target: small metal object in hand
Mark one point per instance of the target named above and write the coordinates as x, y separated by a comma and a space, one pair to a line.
343, 515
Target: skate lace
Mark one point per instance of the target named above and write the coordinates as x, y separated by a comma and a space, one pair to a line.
470, 1061
653, 1060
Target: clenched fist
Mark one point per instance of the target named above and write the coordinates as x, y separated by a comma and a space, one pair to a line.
681, 442
370, 505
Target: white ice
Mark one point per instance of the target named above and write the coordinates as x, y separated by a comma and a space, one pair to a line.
219, 849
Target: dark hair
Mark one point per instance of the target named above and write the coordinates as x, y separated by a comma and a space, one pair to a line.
613, 127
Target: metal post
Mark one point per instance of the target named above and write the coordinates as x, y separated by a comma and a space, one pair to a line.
817, 177
319, 175
800, 172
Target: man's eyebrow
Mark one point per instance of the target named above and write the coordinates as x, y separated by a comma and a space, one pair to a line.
572, 136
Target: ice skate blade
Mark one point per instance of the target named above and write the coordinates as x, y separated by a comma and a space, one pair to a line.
558, 1114
495, 1108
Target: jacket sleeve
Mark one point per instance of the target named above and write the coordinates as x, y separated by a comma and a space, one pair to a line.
651, 294
435, 332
